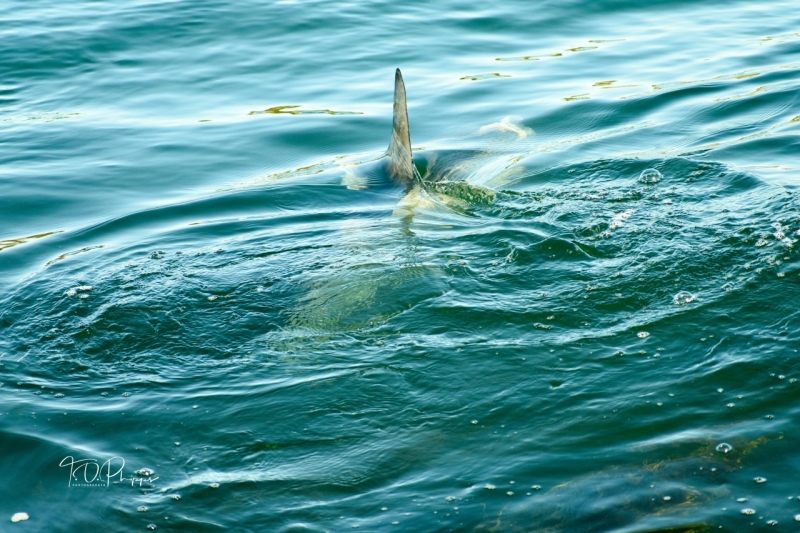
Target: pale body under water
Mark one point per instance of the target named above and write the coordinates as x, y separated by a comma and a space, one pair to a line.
590, 326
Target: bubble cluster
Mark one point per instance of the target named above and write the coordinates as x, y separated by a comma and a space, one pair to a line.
619, 219
80, 289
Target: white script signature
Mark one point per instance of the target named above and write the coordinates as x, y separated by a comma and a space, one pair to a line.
92, 473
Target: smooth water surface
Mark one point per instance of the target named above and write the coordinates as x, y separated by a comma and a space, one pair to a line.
219, 315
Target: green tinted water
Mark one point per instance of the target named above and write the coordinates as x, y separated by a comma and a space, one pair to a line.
219, 315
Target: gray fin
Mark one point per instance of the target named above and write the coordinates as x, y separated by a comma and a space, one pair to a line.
401, 166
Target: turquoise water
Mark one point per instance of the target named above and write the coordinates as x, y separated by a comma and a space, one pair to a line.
214, 302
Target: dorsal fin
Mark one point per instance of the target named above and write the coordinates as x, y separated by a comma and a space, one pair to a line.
401, 166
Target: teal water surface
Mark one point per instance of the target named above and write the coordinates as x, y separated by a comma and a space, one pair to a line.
218, 314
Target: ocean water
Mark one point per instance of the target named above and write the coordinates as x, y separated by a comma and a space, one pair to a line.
218, 314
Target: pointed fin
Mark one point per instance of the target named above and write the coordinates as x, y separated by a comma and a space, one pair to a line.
401, 166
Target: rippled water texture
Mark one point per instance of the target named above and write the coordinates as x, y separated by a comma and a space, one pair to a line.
218, 314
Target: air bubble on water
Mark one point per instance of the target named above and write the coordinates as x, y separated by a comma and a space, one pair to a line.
772, 522
212, 297
760, 479
781, 376
741, 500
731, 404
793, 380
142, 509
797, 518
536, 487
748, 511
720, 390
126, 394
156, 255
151, 526
19, 517
643, 334
214, 485
448, 499
769, 417
474, 422
683, 298
489, 486
724, 447
176, 497
510, 493
103, 394
59, 395
659, 404
144, 472
650, 176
